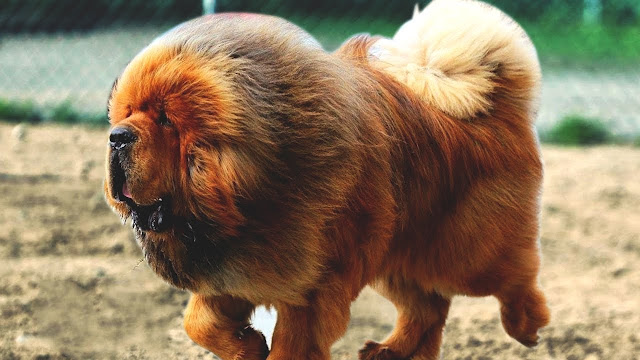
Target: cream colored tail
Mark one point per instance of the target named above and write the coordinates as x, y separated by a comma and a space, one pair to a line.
459, 55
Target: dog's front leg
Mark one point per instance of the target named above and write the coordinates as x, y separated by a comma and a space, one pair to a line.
221, 324
307, 332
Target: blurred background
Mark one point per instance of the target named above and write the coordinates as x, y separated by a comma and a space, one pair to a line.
72, 281
59, 57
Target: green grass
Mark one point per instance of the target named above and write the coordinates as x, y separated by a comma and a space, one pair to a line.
64, 113
577, 130
27, 111
577, 44
19, 111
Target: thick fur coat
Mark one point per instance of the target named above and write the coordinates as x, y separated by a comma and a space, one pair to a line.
257, 169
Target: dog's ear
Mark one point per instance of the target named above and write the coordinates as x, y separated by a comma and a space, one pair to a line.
114, 86
214, 185
194, 163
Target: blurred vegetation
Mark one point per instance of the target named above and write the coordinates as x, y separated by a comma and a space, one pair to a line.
65, 112
577, 45
574, 130
577, 130
54, 15
557, 27
586, 44
19, 111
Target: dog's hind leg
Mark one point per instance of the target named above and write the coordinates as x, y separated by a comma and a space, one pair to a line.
421, 319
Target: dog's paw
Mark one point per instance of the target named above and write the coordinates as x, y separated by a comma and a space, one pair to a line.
254, 345
523, 317
529, 340
374, 351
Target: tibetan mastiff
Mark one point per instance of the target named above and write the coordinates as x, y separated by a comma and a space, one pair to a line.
259, 169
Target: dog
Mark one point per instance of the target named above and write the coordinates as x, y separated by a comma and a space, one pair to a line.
259, 169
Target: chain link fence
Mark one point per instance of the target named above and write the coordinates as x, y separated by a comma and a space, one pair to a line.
63, 55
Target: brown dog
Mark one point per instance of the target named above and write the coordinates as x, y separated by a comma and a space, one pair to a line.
259, 169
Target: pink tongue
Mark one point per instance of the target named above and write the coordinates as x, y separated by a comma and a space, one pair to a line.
125, 190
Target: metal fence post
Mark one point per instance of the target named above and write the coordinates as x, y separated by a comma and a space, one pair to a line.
592, 13
208, 6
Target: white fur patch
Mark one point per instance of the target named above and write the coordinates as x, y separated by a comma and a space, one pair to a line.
264, 319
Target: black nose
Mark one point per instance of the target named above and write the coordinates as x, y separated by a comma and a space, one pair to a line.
120, 137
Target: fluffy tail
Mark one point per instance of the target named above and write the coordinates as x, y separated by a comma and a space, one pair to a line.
463, 57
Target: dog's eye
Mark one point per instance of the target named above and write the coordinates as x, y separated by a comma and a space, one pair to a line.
163, 119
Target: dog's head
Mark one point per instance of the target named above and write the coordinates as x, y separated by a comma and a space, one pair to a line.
168, 166
203, 153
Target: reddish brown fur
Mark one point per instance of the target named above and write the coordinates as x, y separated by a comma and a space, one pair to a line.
322, 175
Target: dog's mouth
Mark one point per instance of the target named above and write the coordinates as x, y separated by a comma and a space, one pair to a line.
155, 217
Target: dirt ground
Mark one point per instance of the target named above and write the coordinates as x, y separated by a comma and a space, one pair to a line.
73, 284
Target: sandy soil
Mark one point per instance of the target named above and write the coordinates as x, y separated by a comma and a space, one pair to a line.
73, 285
